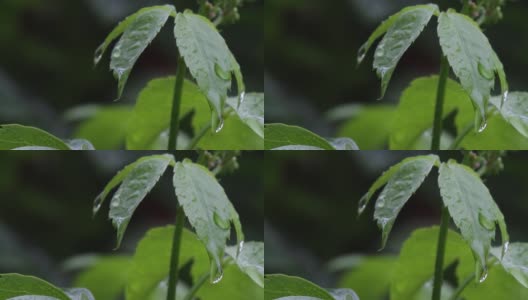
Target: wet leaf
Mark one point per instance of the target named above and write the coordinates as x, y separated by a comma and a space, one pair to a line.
151, 261
279, 135
514, 110
208, 210
473, 210
13, 285
17, 136
515, 261
139, 32
250, 260
251, 111
79, 294
415, 264
343, 144
401, 185
209, 60
404, 30
472, 59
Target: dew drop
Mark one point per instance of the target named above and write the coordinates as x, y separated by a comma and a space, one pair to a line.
362, 204
483, 126
97, 203
485, 222
115, 203
505, 248
380, 204
116, 53
361, 53
217, 273
221, 222
220, 126
220, 72
485, 72
483, 275
380, 52
98, 55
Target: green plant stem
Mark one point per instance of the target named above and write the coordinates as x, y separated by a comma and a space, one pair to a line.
196, 139
175, 254
462, 286
440, 253
439, 107
201, 281
461, 137
176, 103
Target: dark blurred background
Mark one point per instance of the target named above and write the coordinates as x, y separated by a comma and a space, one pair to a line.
47, 48
46, 207
312, 200
311, 51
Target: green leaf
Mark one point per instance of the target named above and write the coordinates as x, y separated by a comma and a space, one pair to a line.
80, 144
151, 261
251, 111
106, 128
343, 144
235, 135
209, 60
370, 126
79, 294
114, 269
278, 286
250, 260
297, 147
13, 285
472, 59
137, 180
151, 115
514, 260
415, 265
379, 269
138, 34
514, 110
234, 286
401, 185
472, 208
404, 30
16, 136
278, 135
385, 25
415, 111
407, 164
208, 210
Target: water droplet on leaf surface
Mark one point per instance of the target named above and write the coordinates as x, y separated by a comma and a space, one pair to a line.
220, 72
240, 248
220, 222
505, 248
220, 126
504, 98
98, 55
483, 126
217, 273
361, 53
485, 72
485, 222
362, 204
483, 275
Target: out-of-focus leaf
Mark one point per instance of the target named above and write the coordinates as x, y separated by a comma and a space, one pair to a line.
13, 285
278, 135
343, 144
16, 136
110, 269
278, 286
107, 128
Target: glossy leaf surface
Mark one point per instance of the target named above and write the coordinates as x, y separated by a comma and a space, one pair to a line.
251, 111
278, 286
17, 136
514, 110
13, 285
250, 260
279, 135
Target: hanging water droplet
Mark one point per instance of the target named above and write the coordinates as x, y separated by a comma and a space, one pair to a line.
220, 72
485, 222
216, 272
220, 125
98, 54
362, 204
240, 248
116, 53
504, 98
361, 53
97, 203
221, 222
483, 275
483, 125
505, 248
241, 97
485, 72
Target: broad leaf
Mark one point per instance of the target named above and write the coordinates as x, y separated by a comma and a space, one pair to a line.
472, 208
208, 210
106, 128
278, 135
278, 286
137, 179
251, 111
114, 269
515, 261
250, 260
401, 185
399, 37
514, 110
343, 144
234, 286
235, 135
472, 59
13, 285
151, 261
415, 111
138, 34
209, 60
385, 25
17, 136
415, 265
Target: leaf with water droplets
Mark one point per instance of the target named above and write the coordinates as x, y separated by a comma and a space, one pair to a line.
514, 110
385, 25
400, 187
391, 172
250, 260
14, 136
400, 35
16, 285
472, 208
208, 210
209, 60
514, 261
472, 59
137, 35
250, 111
280, 135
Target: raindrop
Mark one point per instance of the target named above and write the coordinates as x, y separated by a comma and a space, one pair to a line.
483, 275
483, 125
380, 52
220, 222
240, 248
98, 55
380, 204
362, 204
217, 273
505, 248
485, 222
361, 53
485, 72
97, 203
220, 125
241, 97
220, 72
504, 98
116, 53
115, 203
